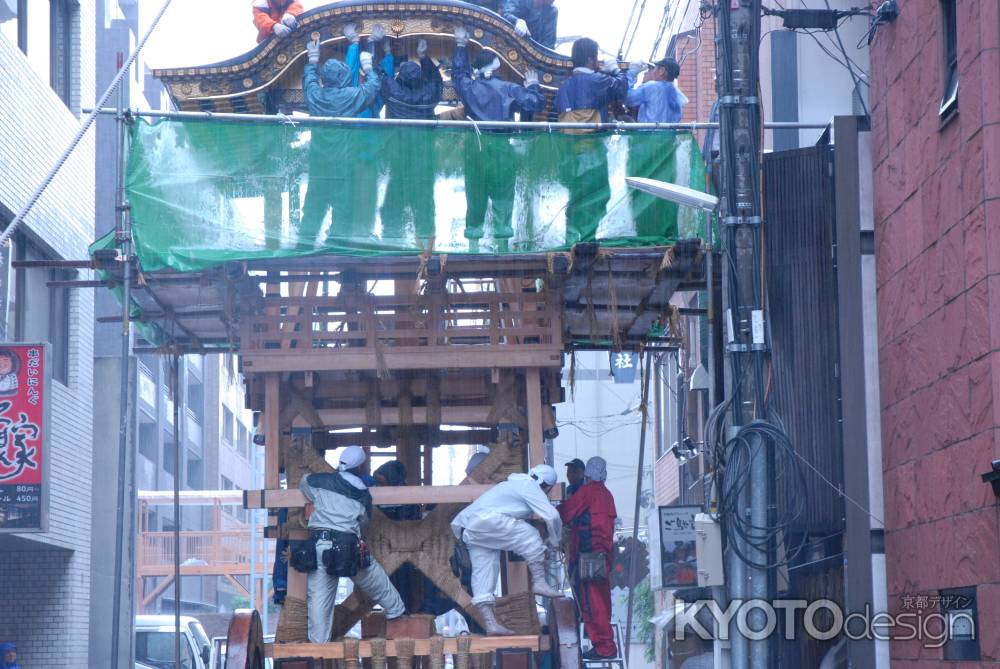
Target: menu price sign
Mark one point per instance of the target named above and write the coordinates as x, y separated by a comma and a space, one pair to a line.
24, 400
678, 560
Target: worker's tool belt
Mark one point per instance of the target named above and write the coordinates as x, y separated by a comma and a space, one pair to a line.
347, 554
461, 563
302, 555
592, 567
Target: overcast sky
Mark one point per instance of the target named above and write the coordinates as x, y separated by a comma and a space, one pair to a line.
199, 32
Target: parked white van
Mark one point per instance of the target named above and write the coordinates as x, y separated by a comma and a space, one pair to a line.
154, 642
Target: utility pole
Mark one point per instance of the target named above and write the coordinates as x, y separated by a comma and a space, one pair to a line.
740, 133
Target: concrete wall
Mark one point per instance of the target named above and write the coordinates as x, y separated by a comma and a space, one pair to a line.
937, 213
44, 583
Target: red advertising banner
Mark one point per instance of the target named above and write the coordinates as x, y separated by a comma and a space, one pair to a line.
23, 425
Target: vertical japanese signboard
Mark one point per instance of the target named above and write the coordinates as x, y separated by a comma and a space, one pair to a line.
23, 437
678, 559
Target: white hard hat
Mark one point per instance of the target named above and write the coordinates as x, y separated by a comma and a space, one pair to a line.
351, 457
544, 474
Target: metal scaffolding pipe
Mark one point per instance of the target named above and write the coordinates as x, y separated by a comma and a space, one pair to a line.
281, 119
634, 558
83, 130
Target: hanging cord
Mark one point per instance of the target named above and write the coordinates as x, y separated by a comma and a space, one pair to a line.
621, 48
635, 30
82, 131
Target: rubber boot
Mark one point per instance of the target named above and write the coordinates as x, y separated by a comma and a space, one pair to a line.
539, 585
493, 627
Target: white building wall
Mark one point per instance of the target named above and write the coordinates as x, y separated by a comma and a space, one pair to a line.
44, 582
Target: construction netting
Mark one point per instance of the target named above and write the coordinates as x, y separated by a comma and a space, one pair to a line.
208, 192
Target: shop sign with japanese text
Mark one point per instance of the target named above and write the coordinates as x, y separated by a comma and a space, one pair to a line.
23, 437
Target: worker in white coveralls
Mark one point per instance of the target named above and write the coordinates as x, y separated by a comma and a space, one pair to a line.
497, 522
341, 504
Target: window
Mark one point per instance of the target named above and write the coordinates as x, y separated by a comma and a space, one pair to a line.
227, 426
169, 461
43, 30
196, 398
148, 447
959, 607
949, 21
61, 47
195, 471
41, 311
243, 441
157, 649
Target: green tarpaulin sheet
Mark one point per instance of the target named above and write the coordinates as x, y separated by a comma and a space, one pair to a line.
208, 192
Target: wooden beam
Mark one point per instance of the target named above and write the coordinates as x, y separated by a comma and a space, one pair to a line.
272, 412
306, 409
239, 585
416, 494
404, 358
536, 449
157, 591
236, 569
334, 650
386, 437
460, 415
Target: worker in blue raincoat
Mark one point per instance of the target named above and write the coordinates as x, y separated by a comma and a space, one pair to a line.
414, 93
337, 178
490, 176
584, 98
537, 19
659, 101
8, 656
657, 97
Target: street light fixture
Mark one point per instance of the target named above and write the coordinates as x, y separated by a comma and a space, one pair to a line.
674, 193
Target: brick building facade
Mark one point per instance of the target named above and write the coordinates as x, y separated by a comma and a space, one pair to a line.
936, 144
44, 81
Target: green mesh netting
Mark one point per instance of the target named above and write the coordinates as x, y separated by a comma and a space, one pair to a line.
204, 193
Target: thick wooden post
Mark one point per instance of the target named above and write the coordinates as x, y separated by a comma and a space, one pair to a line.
272, 434
536, 451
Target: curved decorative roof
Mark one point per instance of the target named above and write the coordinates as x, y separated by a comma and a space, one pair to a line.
268, 78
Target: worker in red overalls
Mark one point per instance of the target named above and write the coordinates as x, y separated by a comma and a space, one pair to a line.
591, 513
275, 17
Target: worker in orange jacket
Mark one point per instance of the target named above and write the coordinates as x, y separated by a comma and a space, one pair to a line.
275, 17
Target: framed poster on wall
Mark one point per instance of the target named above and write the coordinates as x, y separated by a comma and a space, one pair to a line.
678, 560
24, 405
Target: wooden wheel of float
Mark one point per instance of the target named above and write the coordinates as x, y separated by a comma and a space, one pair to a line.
245, 641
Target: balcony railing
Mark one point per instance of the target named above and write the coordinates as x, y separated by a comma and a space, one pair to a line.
201, 553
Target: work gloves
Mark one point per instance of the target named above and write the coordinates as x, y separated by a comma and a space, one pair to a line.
610, 67
366, 62
530, 77
312, 48
636, 67
281, 30
351, 33
290, 21
461, 36
521, 28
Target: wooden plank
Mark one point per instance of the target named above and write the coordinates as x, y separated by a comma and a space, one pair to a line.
409, 358
471, 416
272, 438
536, 448
334, 650
418, 494
331, 441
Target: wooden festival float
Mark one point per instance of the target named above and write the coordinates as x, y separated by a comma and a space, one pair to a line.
451, 349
